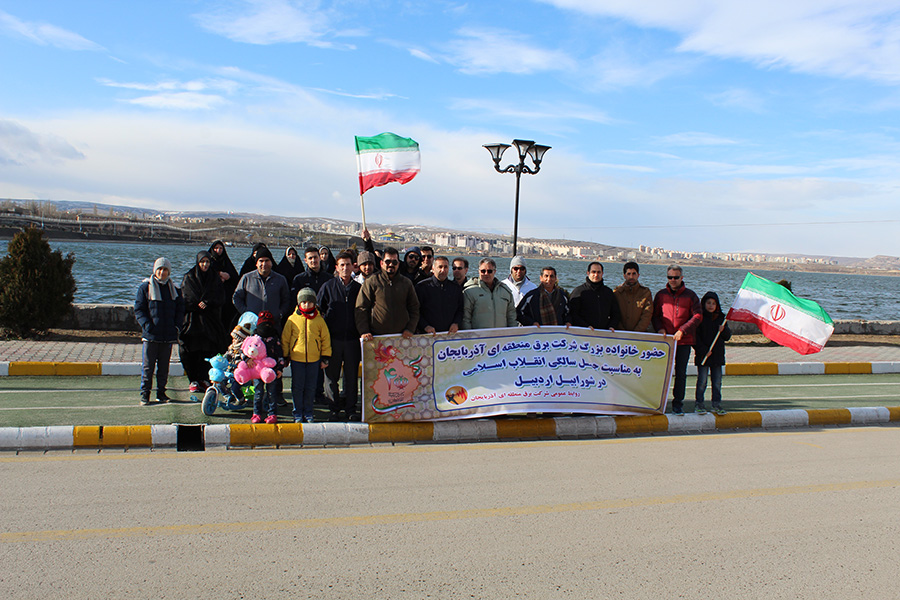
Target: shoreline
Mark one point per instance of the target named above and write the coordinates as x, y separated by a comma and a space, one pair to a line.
6, 235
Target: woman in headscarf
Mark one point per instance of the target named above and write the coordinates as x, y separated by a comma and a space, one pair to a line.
203, 334
250, 263
222, 265
159, 310
328, 261
291, 265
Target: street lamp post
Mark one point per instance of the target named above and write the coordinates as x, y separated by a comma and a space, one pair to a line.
525, 148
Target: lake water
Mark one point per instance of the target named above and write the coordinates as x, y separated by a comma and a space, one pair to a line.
109, 273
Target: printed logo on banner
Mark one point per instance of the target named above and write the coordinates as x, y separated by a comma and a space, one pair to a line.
397, 381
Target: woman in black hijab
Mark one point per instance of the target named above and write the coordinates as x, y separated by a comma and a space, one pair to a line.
229, 277
291, 265
250, 263
328, 261
202, 335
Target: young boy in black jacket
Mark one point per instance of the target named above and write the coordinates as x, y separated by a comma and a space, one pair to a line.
709, 352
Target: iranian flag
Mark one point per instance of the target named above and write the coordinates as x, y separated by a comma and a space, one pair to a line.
782, 317
385, 158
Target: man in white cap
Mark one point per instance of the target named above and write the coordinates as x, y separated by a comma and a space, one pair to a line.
518, 282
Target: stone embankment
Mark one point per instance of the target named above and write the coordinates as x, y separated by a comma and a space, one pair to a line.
116, 317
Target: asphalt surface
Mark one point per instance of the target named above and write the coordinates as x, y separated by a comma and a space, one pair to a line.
791, 515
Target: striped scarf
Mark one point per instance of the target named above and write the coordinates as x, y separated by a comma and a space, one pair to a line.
549, 300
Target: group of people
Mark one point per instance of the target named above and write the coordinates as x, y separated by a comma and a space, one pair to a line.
325, 304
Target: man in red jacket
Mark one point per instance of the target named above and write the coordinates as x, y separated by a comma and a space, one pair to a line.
676, 312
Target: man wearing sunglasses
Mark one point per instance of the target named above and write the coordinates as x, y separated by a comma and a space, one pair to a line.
460, 271
518, 282
676, 312
487, 303
387, 302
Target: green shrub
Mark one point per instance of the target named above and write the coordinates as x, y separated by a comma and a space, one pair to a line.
36, 285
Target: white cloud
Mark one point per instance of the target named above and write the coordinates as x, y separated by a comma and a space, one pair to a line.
739, 98
421, 54
695, 138
845, 38
618, 66
294, 156
45, 34
484, 51
172, 85
179, 101
20, 146
540, 115
267, 22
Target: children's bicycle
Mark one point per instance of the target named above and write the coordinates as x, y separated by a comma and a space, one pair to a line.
224, 391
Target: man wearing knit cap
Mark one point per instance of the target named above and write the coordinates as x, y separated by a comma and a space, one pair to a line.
263, 289
159, 310
517, 282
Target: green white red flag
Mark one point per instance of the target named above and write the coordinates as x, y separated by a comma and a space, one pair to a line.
385, 158
782, 317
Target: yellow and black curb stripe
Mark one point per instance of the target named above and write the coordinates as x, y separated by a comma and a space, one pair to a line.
191, 437
84, 369
38, 369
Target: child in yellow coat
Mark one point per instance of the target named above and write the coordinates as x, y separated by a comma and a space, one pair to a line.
306, 342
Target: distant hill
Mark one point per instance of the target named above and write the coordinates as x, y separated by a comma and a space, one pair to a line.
878, 263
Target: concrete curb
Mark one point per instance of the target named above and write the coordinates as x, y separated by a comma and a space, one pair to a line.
193, 437
88, 369
83, 369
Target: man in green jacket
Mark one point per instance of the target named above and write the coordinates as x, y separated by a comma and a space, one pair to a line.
387, 303
487, 303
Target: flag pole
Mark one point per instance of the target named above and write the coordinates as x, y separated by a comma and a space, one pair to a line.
362, 204
711, 346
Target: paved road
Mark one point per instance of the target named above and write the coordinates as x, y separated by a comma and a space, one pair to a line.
756, 515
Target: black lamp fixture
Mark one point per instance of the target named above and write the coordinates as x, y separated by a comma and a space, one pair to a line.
525, 149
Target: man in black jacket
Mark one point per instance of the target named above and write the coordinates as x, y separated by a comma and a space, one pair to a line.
547, 304
592, 303
440, 300
314, 276
337, 301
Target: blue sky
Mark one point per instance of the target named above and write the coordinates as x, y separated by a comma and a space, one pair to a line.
693, 125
